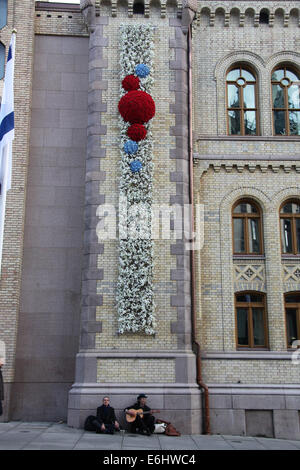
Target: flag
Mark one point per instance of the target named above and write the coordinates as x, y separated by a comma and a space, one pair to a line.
7, 134
7, 122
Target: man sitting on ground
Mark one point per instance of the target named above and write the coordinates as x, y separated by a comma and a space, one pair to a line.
106, 421
145, 424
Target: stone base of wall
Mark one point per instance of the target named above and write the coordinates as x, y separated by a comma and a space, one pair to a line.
178, 403
37, 401
260, 410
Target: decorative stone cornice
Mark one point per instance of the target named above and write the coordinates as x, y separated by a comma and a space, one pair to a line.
230, 166
282, 8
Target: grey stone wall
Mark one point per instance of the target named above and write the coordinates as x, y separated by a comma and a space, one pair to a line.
48, 334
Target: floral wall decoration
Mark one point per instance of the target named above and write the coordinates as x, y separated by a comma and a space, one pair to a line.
136, 107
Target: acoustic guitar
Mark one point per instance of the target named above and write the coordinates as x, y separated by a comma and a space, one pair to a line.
130, 418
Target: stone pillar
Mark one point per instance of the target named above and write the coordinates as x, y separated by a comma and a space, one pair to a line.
162, 365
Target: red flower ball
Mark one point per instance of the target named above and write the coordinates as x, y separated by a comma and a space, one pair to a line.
137, 132
136, 107
131, 82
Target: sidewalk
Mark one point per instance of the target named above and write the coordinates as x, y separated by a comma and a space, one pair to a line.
17, 435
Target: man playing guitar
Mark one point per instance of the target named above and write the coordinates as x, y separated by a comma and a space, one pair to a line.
143, 422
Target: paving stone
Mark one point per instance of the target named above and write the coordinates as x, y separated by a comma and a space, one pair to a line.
278, 444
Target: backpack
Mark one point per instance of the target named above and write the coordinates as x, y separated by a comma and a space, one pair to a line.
88, 424
170, 429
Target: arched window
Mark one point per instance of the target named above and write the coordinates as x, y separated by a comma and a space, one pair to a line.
3, 13
241, 87
138, 7
286, 101
247, 228
290, 227
264, 16
251, 320
292, 315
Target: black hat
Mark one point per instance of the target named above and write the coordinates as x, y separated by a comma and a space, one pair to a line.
142, 395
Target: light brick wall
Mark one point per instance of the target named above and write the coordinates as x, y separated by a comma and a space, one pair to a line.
21, 16
218, 189
221, 38
227, 168
250, 372
136, 371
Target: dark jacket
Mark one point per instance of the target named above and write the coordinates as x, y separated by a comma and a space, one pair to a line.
1, 386
106, 414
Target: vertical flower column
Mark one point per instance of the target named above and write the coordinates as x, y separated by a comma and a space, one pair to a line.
135, 283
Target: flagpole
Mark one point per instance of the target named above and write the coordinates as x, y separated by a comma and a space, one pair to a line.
3, 199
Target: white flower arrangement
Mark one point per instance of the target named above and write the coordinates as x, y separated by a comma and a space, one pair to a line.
135, 301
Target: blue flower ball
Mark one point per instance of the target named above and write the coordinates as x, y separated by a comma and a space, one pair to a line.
130, 147
135, 166
142, 70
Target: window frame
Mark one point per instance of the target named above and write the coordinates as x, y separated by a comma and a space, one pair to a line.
291, 305
249, 306
286, 108
241, 108
294, 233
247, 216
4, 6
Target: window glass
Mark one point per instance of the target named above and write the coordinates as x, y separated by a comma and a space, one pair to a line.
234, 122
291, 325
3, 13
286, 102
249, 297
258, 326
294, 96
233, 75
278, 96
241, 94
242, 326
249, 96
254, 238
292, 76
249, 77
291, 208
245, 207
294, 122
277, 75
286, 235
239, 235
279, 122
233, 96
250, 122
292, 298
298, 234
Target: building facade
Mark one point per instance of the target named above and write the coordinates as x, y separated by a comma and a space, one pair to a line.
224, 146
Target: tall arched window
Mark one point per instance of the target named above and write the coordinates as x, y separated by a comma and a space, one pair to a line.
241, 85
251, 320
3, 13
292, 312
286, 101
290, 227
247, 228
